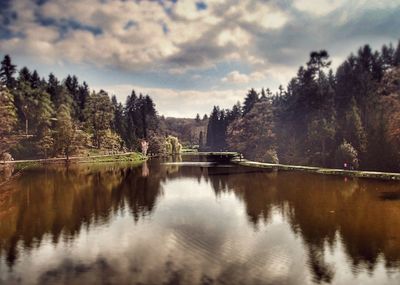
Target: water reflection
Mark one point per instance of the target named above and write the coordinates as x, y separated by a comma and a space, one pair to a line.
172, 224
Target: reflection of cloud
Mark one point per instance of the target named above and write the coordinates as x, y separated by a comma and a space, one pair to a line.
199, 229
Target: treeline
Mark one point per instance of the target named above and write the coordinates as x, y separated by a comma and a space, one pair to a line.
191, 132
349, 118
42, 118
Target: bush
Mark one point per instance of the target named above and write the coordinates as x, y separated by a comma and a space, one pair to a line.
346, 153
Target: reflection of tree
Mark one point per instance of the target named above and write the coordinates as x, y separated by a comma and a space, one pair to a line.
321, 206
320, 209
62, 200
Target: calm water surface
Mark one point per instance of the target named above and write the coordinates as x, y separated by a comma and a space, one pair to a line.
196, 223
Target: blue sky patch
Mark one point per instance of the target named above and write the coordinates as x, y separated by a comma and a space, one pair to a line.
201, 6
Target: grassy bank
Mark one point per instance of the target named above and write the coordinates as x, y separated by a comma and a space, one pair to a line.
124, 157
326, 171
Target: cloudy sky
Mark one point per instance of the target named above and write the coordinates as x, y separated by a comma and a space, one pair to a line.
187, 54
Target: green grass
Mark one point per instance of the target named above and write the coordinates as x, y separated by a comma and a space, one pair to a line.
132, 157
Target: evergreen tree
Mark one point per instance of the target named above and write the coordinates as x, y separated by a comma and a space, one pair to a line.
7, 71
396, 56
249, 101
35, 80
24, 75
118, 125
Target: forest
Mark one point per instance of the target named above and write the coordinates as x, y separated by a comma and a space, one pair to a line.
348, 117
49, 118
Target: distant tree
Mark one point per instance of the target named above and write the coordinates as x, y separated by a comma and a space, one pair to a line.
201, 140
7, 71
205, 117
198, 118
172, 145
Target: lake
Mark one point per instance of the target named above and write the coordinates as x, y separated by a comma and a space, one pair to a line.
185, 220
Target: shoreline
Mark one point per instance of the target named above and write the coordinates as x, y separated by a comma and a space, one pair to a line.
121, 157
319, 170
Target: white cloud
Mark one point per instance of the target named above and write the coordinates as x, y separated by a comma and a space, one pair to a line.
320, 7
180, 103
240, 78
155, 38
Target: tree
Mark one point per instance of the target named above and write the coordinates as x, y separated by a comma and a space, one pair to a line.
99, 115
7, 71
201, 140
157, 144
353, 130
347, 156
68, 138
8, 120
111, 141
118, 124
321, 131
172, 145
46, 142
396, 56
197, 118
253, 134
58, 92
249, 101
34, 107
72, 85
35, 80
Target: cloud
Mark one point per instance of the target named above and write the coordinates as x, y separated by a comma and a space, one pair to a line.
237, 77
179, 103
237, 41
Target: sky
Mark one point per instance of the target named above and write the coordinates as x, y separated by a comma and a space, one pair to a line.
188, 55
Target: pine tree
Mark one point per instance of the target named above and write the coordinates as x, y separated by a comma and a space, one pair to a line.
7, 71
249, 101
35, 80
396, 56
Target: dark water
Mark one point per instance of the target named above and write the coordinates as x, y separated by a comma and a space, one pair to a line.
196, 224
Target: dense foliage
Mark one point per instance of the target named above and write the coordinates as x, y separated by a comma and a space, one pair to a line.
349, 117
42, 118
